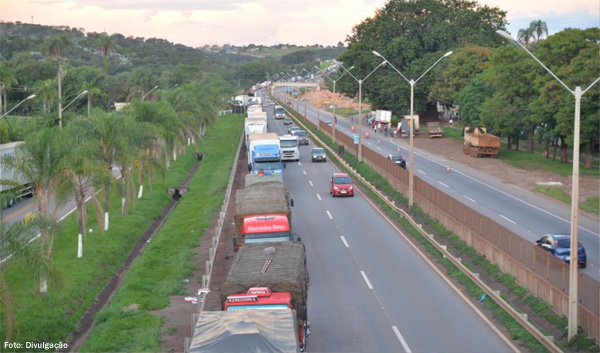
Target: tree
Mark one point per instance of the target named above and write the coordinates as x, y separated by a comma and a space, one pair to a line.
106, 44
18, 249
525, 36
45, 92
55, 48
7, 80
538, 29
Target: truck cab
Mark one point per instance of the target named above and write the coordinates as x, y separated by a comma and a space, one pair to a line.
264, 228
264, 154
289, 148
279, 112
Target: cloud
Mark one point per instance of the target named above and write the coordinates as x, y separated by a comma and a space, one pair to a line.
159, 5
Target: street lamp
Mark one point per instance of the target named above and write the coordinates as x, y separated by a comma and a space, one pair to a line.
15, 107
74, 99
145, 95
412, 122
573, 295
334, 105
360, 118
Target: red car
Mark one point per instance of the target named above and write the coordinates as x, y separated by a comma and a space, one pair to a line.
341, 185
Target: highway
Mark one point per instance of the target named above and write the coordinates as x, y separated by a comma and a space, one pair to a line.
369, 290
521, 211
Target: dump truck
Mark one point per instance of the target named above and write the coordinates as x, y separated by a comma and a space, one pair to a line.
434, 129
246, 331
263, 211
479, 143
269, 276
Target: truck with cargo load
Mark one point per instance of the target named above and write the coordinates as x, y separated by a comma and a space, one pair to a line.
383, 116
253, 125
407, 123
264, 153
269, 276
263, 211
434, 129
246, 331
479, 143
19, 186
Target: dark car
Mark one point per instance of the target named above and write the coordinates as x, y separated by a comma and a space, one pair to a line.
302, 136
341, 185
287, 121
559, 245
398, 159
318, 155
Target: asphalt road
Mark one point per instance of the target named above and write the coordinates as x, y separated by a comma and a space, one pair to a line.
369, 291
521, 211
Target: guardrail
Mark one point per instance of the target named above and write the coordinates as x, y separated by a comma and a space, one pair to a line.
521, 318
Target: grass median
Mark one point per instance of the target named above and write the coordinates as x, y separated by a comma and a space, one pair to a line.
161, 268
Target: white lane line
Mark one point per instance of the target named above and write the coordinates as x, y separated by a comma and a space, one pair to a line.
422, 172
304, 171
508, 219
366, 279
329, 214
401, 339
319, 197
300, 163
344, 241
470, 199
443, 184
310, 182
379, 149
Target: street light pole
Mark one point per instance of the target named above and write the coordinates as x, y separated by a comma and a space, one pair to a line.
334, 105
15, 107
573, 280
360, 118
412, 122
145, 95
74, 99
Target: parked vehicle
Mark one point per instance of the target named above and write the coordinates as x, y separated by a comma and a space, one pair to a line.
252, 126
264, 154
270, 276
479, 143
398, 160
341, 185
407, 123
434, 129
559, 245
289, 148
318, 155
302, 136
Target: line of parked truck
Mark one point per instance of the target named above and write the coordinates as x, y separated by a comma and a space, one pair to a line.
264, 296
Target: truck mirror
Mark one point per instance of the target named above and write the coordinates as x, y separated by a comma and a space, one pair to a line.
304, 313
284, 165
235, 245
299, 239
291, 202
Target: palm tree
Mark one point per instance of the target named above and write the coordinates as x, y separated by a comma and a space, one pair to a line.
525, 36
45, 93
55, 48
106, 44
7, 79
18, 250
91, 92
538, 28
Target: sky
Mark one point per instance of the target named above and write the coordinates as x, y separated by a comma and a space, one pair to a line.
268, 22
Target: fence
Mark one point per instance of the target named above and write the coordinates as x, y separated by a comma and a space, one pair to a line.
541, 273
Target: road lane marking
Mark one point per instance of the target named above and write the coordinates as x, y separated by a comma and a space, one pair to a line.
329, 214
401, 339
299, 163
422, 172
304, 171
379, 149
366, 279
345, 242
470, 199
310, 182
443, 184
319, 197
508, 219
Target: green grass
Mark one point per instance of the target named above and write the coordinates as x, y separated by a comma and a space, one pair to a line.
591, 205
160, 270
347, 112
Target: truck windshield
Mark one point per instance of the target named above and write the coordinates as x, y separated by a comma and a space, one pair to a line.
266, 237
289, 143
279, 111
257, 307
268, 165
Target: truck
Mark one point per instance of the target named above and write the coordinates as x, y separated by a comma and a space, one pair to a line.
258, 114
289, 148
480, 143
434, 129
279, 112
270, 276
246, 331
407, 123
253, 125
263, 211
22, 187
264, 153
253, 109
383, 116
